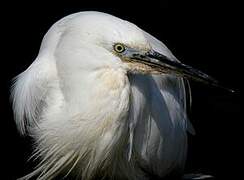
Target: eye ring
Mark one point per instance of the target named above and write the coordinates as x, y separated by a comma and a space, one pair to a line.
119, 48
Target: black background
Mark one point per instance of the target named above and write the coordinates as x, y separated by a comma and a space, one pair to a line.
205, 34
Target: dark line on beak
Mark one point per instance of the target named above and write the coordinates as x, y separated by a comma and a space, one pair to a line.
185, 69
165, 65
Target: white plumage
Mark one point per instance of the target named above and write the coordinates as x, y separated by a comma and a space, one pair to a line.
94, 115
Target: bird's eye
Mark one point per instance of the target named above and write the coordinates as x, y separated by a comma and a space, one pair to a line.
119, 48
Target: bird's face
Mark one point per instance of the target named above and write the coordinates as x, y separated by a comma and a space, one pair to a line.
115, 42
149, 61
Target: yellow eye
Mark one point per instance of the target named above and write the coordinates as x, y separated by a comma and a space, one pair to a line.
119, 48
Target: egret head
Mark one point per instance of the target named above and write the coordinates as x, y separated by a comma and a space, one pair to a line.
86, 114
108, 41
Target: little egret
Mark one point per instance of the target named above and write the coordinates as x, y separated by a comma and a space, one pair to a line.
104, 99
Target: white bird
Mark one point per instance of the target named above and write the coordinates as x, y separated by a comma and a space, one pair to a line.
104, 99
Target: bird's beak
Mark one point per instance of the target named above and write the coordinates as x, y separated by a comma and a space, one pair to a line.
162, 64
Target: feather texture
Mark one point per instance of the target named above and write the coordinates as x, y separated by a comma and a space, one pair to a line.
158, 120
89, 117
29, 92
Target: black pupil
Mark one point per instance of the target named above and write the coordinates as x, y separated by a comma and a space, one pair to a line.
119, 48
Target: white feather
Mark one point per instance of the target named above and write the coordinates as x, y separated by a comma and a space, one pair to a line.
29, 93
88, 116
159, 120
